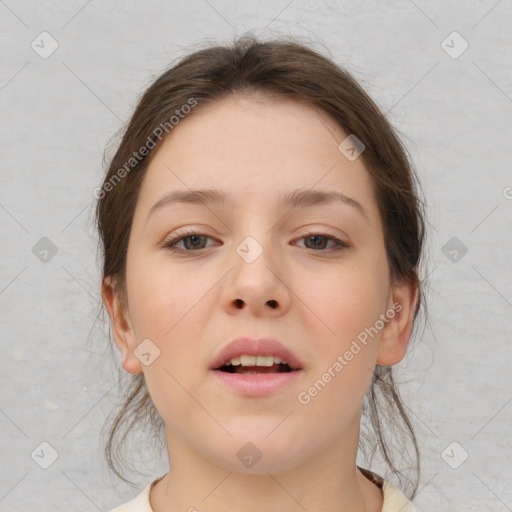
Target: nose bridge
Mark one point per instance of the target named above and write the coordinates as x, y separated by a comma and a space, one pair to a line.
255, 281
255, 240
255, 260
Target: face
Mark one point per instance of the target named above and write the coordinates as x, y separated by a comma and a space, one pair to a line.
313, 276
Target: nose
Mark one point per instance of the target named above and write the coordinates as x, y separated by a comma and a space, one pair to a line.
256, 283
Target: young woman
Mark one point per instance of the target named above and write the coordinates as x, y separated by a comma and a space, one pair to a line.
261, 237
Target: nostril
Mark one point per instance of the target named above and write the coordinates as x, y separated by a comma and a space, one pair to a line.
272, 303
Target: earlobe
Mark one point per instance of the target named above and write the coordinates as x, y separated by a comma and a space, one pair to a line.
119, 319
397, 332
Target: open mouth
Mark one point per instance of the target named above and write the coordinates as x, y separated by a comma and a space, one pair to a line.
257, 375
250, 365
251, 370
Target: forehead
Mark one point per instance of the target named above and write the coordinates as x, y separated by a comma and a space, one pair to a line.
257, 147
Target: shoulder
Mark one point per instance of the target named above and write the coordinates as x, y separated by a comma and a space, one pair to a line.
394, 499
140, 503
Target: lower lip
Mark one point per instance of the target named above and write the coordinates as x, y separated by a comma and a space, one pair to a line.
261, 384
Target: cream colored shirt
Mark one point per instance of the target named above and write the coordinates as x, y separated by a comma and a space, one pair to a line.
394, 500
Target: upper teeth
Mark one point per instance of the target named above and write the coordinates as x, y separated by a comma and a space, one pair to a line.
255, 361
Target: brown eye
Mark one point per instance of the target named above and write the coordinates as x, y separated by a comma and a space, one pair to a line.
192, 242
319, 241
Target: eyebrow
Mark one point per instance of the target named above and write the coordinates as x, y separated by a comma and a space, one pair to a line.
295, 198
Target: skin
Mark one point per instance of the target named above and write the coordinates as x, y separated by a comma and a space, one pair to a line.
190, 306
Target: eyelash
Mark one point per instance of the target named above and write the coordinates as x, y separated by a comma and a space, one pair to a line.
171, 243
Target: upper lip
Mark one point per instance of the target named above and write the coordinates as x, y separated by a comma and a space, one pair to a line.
255, 347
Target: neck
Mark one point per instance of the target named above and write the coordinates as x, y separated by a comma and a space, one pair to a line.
327, 482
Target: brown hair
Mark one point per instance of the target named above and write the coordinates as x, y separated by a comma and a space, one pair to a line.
280, 69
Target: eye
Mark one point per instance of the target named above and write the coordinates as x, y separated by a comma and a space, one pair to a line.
318, 242
192, 240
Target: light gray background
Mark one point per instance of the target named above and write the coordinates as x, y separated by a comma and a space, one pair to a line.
57, 116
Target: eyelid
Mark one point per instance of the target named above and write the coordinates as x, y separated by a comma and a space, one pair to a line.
171, 242
340, 244
178, 237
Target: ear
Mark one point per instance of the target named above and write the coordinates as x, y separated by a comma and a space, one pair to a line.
397, 332
119, 318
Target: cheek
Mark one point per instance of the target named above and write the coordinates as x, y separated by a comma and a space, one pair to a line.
170, 307
161, 296
165, 304
345, 354
345, 302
